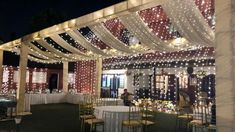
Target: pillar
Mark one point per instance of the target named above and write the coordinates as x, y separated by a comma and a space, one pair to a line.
225, 65
1, 68
22, 81
98, 76
65, 76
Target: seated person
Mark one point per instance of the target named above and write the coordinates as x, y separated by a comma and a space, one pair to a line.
126, 98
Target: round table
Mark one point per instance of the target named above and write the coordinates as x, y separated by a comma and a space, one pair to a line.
112, 116
111, 101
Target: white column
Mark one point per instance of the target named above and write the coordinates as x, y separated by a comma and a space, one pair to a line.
1, 68
98, 76
65, 76
225, 65
22, 75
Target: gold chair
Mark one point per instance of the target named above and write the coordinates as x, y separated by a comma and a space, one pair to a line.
87, 98
94, 122
89, 118
212, 125
85, 112
146, 115
183, 117
134, 119
200, 118
97, 101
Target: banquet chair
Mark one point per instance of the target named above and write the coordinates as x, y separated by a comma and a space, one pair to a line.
200, 119
87, 98
183, 117
93, 122
211, 128
146, 116
212, 125
97, 101
85, 112
134, 119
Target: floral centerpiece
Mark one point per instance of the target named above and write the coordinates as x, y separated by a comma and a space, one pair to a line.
156, 105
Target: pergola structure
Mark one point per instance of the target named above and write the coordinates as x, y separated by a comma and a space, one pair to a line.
128, 28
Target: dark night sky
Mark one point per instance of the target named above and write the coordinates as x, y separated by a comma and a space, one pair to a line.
17, 14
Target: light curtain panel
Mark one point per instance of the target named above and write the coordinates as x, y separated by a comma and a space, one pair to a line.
71, 78
39, 77
5, 76
16, 76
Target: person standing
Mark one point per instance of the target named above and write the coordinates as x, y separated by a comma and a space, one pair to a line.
126, 97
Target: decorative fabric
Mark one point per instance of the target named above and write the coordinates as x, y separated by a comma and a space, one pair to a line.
188, 20
105, 36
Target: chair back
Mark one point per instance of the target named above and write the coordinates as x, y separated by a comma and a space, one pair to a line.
213, 114
146, 110
97, 101
87, 98
86, 109
134, 113
202, 112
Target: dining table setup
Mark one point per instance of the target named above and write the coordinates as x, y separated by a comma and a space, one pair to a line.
120, 118
141, 114
112, 116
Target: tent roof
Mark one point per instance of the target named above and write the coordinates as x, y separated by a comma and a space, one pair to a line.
98, 34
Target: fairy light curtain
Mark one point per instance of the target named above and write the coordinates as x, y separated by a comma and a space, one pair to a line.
137, 27
199, 56
93, 39
39, 80
189, 21
157, 20
81, 40
118, 30
71, 81
36, 79
207, 9
7, 78
85, 76
155, 28
106, 37
173, 26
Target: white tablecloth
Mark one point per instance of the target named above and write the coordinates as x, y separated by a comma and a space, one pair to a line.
75, 98
111, 101
45, 98
113, 117
33, 99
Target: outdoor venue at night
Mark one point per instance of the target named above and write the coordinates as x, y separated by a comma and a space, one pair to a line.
137, 65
